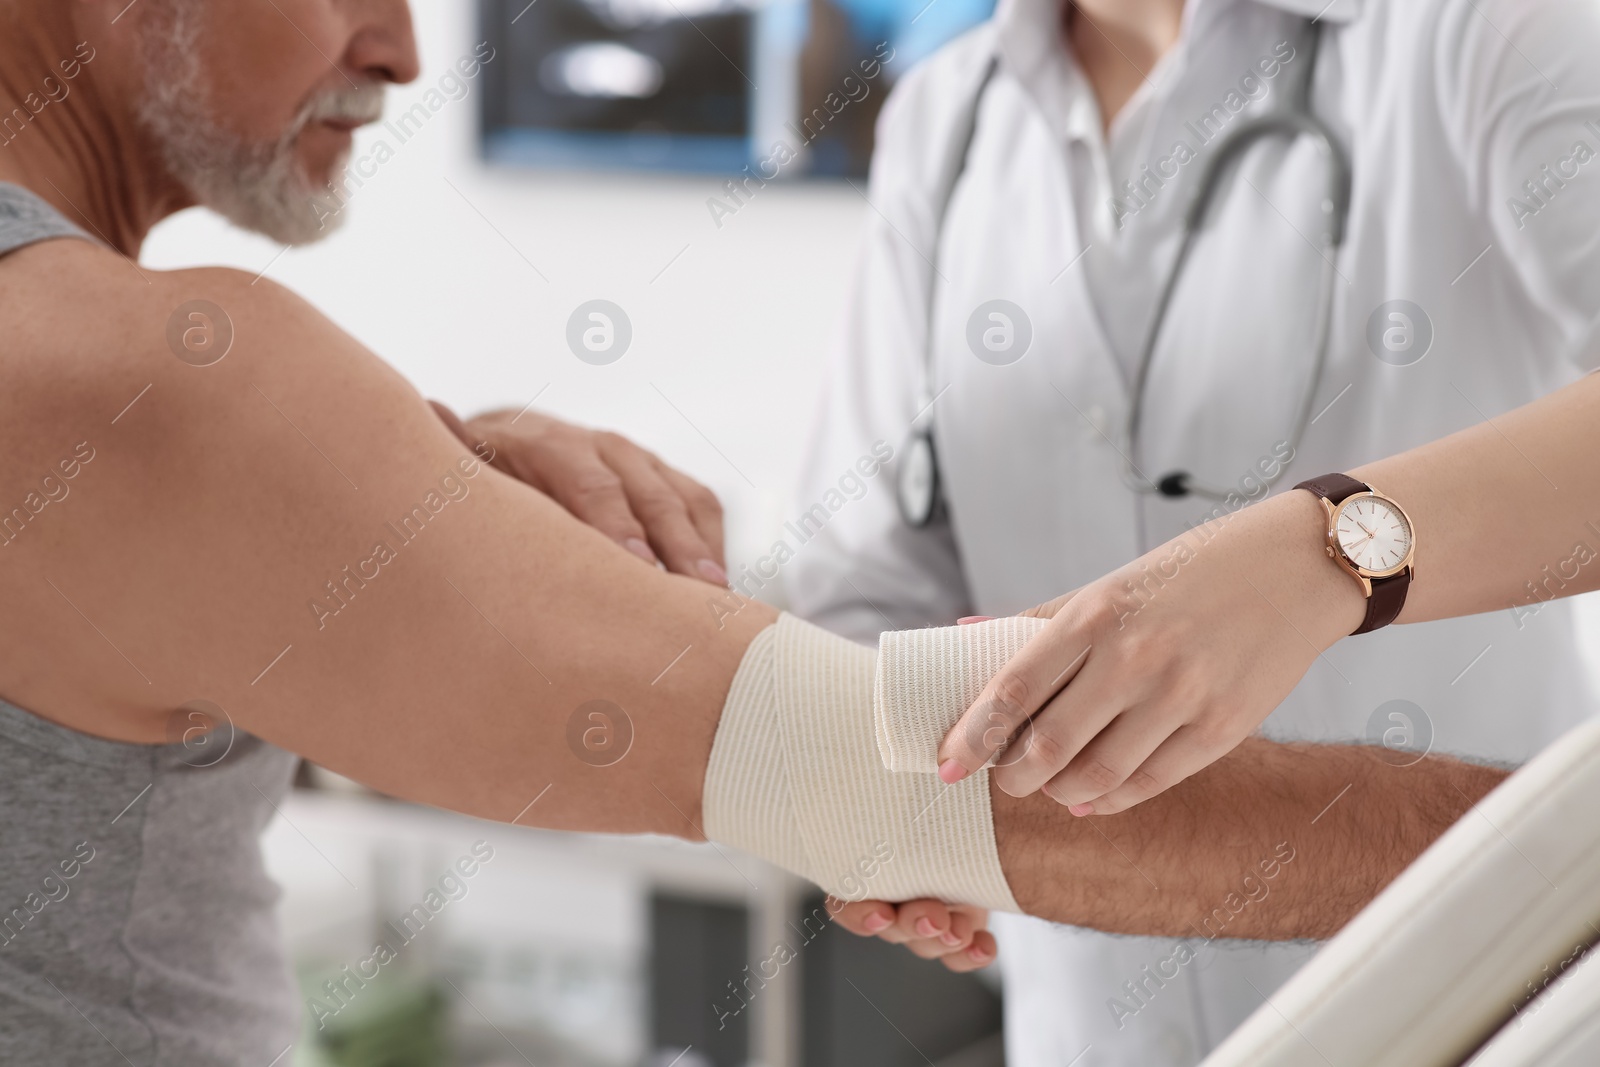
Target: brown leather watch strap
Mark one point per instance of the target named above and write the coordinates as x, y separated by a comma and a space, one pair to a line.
1388, 597
1388, 594
1335, 486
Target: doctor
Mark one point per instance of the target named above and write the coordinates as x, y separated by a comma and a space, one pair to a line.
1406, 246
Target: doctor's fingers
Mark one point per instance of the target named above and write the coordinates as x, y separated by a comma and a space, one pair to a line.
568, 467
1186, 752
1118, 758
1024, 685
705, 510
667, 509
1064, 729
1050, 608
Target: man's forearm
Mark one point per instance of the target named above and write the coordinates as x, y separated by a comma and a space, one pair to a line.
1275, 841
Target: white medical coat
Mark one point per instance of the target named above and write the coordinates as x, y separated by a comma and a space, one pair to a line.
1473, 128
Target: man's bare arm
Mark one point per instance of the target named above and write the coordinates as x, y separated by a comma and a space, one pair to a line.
223, 543
1274, 841
291, 534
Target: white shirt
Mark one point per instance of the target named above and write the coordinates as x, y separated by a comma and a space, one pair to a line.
1447, 108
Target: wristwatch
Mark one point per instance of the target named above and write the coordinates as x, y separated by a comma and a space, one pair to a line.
1372, 538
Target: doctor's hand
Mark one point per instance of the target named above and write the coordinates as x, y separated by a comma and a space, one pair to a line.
607, 481
1158, 669
956, 935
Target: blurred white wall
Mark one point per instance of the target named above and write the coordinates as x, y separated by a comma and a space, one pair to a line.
464, 277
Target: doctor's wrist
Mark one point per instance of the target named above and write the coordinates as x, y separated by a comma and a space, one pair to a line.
1321, 592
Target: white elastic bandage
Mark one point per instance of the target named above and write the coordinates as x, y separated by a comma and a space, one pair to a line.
796, 776
928, 678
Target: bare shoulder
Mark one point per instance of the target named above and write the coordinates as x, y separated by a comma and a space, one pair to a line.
96, 342
86, 323
176, 448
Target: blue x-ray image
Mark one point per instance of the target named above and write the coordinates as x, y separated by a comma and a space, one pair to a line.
782, 87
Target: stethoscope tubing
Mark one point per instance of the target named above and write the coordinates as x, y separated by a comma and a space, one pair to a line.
919, 487
1294, 121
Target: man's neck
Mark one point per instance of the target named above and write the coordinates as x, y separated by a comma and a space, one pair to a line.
70, 140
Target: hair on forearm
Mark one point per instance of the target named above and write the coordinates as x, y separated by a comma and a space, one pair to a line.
1276, 841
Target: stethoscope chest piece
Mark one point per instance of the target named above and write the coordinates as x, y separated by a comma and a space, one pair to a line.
917, 484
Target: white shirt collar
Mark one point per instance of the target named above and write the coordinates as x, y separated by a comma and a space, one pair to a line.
1336, 11
1033, 16
1028, 37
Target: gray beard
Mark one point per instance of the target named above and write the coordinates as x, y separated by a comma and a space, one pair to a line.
258, 187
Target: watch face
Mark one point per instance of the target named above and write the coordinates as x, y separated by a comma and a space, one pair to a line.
1373, 533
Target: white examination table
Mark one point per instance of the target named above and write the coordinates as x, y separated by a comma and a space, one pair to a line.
1439, 969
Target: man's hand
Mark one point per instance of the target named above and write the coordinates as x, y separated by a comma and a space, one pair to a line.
956, 935
608, 482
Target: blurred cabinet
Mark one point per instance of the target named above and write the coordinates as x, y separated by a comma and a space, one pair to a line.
423, 937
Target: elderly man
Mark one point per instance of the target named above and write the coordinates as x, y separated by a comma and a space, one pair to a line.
270, 518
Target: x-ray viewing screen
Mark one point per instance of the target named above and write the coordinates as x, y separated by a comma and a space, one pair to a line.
786, 86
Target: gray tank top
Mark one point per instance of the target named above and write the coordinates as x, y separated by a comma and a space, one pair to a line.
137, 923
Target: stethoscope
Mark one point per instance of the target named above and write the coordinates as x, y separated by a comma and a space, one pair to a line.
918, 484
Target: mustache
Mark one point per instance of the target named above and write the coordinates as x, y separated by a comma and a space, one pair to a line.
362, 104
